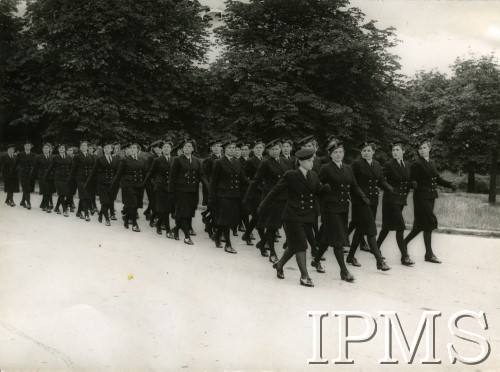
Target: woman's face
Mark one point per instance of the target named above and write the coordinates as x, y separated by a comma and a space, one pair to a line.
134, 150
307, 164
187, 148
216, 149
158, 150
27, 147
367, 153
309, 146
424, 150
286, 148
229, 150
258, 149
245, 151
397, 152
107, 149
70, 151
274, 151
84, 147
61, 149
166, 149
237, 152
337, 155
46, 150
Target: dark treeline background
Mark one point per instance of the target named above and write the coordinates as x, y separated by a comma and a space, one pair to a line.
127, 69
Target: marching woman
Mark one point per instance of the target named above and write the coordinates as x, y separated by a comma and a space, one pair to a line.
153, 153
24, 163
397, 175
207, 167
10, 178
251, 203
185, 177
131, 172
335, 207
60, 168
299, 213
72, 186
92, 187
244, 220
160, 172
226, 183
270, 171
286, 152
42, 163
424, 172
103, 172
80, 171
368, 174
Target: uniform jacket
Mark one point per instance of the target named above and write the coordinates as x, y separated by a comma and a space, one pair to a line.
131, 172
81, 167
40, 167
427, 177
10, 177
251, 166
60, 168
228, 179
292, 160
399, 178
160, 172
208, 165
103, 171
269, 173
24, 163
300, 205
369, 178
342, 183
186, 176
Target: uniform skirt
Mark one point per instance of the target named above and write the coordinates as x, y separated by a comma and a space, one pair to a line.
10, 182
392, 217
106, 194
43, 187
132, 196
364, 217
272, 218
27, 184
162, 201
186, 204
83, 193
253, 205
62, 188
425, 219
334, 222
296, 235
227, 212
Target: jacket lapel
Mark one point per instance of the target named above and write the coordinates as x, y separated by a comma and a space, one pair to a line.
230, 164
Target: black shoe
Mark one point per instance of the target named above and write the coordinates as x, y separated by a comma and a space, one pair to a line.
188, 241
87, 218
99, 218
28, 206
279, 272
235, 233
23, 204
78, 214
407, 261
383, 266
306, 282
71, 209
364, 247
371, 251
147, 214
273, 259
57, 210
175, 234
44, 209
152, 222
346, 276
136, 228
92, 212
191, 232
12, 204
48, 210
108, 223
246, 239
318, 266
229, 249
125, 222
252, 237
158, 229
169, 235
353, 261
113, 217
432, 259
65, 214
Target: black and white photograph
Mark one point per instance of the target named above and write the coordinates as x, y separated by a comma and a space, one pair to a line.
249, 185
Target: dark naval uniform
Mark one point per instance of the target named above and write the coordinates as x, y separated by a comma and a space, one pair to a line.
60, 168
103, 173
24, 164
80, 171
10, 177
42, 163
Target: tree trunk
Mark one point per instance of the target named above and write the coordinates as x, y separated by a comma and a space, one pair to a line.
471, 178
492, 198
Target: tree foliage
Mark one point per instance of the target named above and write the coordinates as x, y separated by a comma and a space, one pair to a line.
109, 68
295, 67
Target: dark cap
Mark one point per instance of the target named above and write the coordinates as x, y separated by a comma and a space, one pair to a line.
333, 144
169, 141
305, 140
304, 154
189, 140
287, 140
367, 143
273, 143
398, 142
244, 143
11, 146
28, 142
47, 144
258, 142
227, 142
84, 141
136, 144
109, 143
62, 144
157, 143
423, 139
214, 142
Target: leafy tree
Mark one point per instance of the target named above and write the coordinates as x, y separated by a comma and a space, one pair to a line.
110, 68
10, 27
470, 119
295, 67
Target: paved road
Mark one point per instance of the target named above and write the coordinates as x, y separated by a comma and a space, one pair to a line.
76, 294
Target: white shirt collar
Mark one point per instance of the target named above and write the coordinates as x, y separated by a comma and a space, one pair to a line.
304, 171
338, 164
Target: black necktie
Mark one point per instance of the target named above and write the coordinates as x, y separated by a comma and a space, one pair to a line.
402, 163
